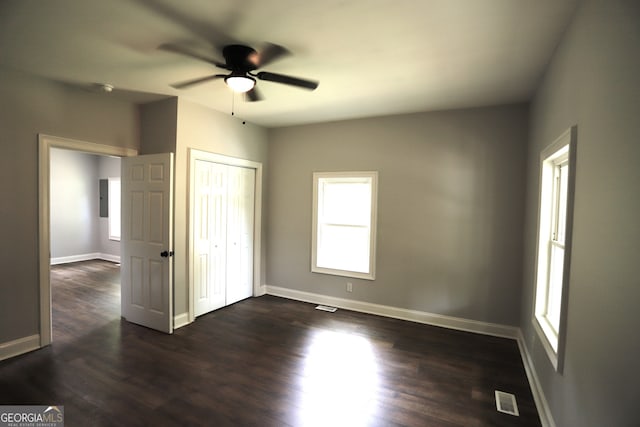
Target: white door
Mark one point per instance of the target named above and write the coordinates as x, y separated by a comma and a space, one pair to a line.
210, 213
147, 241
223, 235
241, 185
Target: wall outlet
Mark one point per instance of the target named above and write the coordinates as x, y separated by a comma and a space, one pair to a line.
349, 287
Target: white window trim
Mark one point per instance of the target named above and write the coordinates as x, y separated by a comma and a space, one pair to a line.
113, 210
552, 342
373, 225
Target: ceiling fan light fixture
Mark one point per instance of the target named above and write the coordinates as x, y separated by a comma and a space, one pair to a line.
240, 84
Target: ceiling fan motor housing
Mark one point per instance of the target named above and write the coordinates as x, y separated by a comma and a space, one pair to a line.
239, 57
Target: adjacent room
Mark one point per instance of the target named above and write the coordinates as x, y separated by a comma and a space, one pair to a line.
85, 241
358, 213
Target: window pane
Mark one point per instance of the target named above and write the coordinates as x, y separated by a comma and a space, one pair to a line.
562, 202
343, 248
114, 208
345, 202
343, 227
554, 295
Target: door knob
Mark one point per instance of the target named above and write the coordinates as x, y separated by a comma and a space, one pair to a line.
165, 254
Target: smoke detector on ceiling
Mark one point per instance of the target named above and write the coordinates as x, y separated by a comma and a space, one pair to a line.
102, 87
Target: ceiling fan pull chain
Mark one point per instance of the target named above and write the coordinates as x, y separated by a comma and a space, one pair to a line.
233, 102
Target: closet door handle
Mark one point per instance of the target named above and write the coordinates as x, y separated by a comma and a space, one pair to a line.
166, 254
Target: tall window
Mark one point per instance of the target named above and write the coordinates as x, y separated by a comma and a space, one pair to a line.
114, 208
344, 223
554, 243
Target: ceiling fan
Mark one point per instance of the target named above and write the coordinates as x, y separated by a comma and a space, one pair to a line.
242, 62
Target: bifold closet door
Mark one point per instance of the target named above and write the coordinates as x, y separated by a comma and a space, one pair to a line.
223, 235
240, 212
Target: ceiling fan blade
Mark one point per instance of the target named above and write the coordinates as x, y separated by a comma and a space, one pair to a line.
188, 83
288, 80
269, 53
200, 25
168, 47
254, 95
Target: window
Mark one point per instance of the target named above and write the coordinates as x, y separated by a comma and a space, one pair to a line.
557, 182
344, 223
114, 208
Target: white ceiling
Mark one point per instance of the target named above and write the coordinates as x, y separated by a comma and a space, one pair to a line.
372, 57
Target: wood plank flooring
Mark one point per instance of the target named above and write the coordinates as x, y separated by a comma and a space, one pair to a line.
264, 361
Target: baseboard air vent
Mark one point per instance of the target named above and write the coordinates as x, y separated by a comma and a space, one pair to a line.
506, 402
326, 308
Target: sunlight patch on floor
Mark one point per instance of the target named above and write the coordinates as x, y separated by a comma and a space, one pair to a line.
340, 381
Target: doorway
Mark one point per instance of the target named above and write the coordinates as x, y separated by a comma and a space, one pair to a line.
84, 212
46, 145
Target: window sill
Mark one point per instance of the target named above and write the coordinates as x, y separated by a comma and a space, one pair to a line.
343, 273
539, 324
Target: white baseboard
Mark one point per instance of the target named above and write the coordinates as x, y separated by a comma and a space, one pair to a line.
19, 346
450, 322
534, 383
180, 320
73, 258
85, 257
109, 257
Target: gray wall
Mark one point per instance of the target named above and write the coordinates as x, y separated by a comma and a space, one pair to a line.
74, 210
450, 208
76, 226
158, 126
30, 106
594, 81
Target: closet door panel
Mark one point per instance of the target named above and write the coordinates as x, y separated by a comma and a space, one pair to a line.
218, 221
241, 189
209, 236
201, 237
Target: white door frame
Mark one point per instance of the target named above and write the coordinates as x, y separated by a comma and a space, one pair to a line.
257, 221
45, 144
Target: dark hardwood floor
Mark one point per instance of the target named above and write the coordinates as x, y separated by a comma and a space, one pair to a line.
84, 297
264, 361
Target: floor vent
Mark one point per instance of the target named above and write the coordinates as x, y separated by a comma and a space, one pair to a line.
506, 402
326, 308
